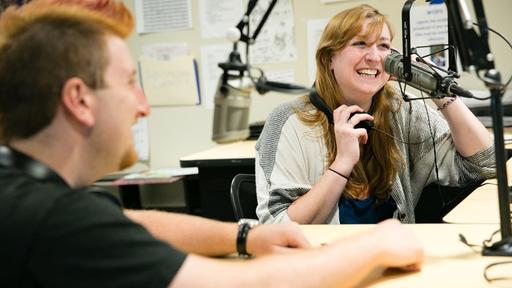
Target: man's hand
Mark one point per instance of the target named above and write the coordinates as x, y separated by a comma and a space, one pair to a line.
272, 238
398, 245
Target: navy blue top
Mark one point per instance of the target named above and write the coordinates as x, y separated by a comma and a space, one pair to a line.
355, 211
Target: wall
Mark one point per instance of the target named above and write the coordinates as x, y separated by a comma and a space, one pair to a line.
178, 131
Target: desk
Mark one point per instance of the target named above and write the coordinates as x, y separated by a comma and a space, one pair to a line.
238, 153
448, 262
208, 193
481, 206
129, 191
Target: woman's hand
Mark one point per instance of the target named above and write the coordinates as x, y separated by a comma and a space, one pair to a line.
348, 139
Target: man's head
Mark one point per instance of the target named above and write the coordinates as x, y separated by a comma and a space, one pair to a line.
61, 58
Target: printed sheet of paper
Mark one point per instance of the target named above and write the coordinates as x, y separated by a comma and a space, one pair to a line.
162, 15
165, 51
211, 56
315, 30
276, 41
217, 16
168, 83
429, 26
141, 139
285, 75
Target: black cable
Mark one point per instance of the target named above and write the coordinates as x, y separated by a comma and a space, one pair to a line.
488, 267
477, 249
485, 243
509, 45
434, 149
399, 140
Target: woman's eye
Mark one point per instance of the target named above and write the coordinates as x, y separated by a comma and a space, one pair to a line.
359, 43
385, 46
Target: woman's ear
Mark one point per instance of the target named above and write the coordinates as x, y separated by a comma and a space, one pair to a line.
78, 100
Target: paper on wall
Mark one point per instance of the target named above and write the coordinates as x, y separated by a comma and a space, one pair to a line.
162, 15
141, 138
276, 41
211, 56
165, 51
167, 83
284, 76
216, 17
429, 26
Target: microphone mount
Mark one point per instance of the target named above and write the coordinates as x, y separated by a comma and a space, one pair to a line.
232, 97
244, 22
234, 67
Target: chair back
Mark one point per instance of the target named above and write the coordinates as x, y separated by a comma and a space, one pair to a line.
436, 201
243, 196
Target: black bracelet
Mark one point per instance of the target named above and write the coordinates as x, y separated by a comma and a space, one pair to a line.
241, 239
332, 170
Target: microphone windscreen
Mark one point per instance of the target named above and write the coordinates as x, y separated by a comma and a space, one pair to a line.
233, 34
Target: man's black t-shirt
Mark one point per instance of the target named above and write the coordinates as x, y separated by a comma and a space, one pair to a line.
54, 236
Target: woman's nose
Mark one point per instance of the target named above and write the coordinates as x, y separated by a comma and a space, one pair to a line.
373, 54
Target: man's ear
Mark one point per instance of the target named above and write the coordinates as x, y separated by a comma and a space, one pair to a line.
78, 100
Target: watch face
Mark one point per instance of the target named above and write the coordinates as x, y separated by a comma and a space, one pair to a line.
250, 222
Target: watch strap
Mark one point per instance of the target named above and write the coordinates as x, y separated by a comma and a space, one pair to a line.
241, 239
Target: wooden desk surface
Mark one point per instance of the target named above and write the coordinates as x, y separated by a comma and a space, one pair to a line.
236, 150
448, 262
481, 206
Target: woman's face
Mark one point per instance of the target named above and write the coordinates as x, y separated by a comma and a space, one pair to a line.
359, 67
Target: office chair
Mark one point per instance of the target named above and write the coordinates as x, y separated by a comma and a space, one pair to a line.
432, 206
243, 196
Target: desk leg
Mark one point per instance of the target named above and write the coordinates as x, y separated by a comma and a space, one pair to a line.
130, 196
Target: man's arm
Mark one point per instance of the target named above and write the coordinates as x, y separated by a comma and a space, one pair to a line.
208, 237
341, 264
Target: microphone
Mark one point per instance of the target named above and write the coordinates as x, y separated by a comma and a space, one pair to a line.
231, 113
423, 78
232, 97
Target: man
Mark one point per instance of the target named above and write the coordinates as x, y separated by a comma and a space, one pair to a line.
68, 99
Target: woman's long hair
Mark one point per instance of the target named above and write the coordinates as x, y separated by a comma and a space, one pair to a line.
380, 158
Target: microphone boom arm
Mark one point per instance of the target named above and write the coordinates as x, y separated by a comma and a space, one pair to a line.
475, 54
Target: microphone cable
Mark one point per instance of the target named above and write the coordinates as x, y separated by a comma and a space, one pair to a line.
487, 270
505, 86
407, 98
398, 139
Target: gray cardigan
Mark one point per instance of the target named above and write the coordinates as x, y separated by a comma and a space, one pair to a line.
291, 157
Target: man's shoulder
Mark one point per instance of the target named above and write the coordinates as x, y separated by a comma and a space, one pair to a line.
18, 186
26, 201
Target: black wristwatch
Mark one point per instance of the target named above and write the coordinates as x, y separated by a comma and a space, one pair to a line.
244, 225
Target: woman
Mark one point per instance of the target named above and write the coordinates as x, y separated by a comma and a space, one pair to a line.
310, 171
